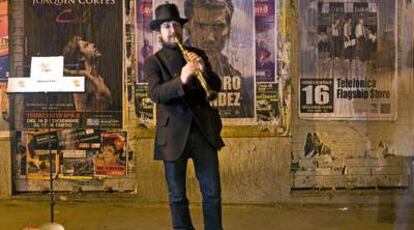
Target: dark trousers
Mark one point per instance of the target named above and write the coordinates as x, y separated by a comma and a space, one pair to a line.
336, 46
207, 171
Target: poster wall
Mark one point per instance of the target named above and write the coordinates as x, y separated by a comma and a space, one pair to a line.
89, 35
347, 71
240, 40
348, 52
77, 154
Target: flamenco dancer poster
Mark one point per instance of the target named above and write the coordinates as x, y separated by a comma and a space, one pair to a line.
89, 36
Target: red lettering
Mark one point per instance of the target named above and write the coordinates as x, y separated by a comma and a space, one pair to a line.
68, 16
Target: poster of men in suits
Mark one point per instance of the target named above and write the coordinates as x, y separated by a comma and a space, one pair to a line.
347, 59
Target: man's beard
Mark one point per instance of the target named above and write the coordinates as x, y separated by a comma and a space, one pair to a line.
168, 43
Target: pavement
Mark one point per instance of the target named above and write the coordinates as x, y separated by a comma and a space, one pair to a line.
30, 211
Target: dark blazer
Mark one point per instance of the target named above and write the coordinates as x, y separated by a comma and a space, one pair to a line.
179, 106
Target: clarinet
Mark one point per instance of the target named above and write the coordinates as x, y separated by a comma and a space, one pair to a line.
211, 94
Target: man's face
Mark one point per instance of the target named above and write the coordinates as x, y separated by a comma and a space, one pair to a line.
168, 30
209, 29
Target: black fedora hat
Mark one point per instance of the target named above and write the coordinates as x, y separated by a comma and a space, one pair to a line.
164, 13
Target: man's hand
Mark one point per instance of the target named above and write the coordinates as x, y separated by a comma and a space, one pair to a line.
195, 58
194, 65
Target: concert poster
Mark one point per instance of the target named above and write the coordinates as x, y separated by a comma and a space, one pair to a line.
348, 60
90, 37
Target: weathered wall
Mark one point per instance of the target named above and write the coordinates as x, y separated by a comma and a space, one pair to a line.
257, 169
357, 144
16, 46
253, 170
5, 167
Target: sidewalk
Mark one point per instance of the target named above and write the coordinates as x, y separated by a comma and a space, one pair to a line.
123, 214
353, 210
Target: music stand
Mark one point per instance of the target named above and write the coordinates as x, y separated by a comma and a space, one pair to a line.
46, 76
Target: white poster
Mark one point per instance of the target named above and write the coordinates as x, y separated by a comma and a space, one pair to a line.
348, 52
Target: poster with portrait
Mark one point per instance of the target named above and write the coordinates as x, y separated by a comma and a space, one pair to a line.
230, 55
347, 59
89, 35
228, 43
112, 159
